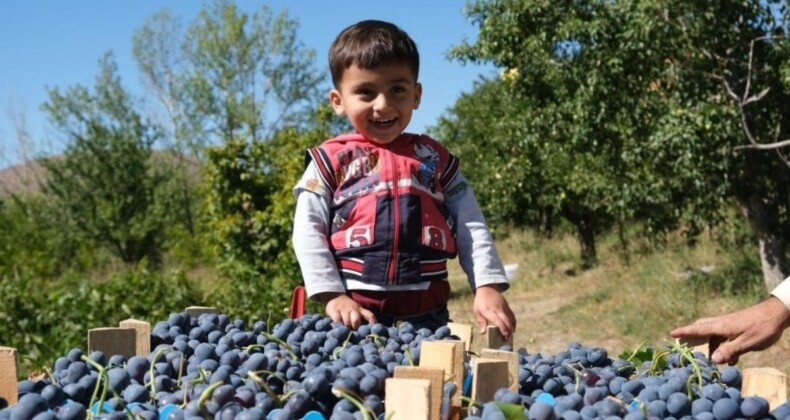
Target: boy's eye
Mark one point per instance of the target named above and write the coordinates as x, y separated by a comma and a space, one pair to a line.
398, 89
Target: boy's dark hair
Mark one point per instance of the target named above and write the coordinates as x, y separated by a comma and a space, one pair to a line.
369, 44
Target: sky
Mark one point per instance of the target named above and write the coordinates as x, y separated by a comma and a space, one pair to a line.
52, 43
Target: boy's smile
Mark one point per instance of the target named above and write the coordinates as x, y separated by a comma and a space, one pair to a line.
378, 102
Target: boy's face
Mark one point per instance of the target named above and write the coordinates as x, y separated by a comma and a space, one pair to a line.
378, 102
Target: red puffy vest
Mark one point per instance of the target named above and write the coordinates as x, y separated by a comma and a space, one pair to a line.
389, 222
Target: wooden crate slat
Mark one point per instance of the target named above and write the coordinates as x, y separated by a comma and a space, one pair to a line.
407, 399
112, 341
435, 375
768, 383
447, 355
494, 339
512, 362
463, 331
488, 375
9, 369
142, 335
196, 311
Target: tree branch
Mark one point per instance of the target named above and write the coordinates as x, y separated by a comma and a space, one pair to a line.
766, 146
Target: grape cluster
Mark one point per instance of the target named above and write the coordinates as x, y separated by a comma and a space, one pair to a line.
309, 368
213, 366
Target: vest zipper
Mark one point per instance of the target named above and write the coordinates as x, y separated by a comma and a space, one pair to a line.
395, 221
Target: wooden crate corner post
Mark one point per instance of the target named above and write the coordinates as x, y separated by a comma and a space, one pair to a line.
9, 369
407, 399
512, 362
769, 383
488, 375
434, 375
494, 339
447, 355
112, 341
142, 335
463, 331
196, 311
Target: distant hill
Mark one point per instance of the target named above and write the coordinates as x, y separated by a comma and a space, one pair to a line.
23, 177
28, 177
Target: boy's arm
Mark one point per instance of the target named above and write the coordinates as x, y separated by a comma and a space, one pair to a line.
316, 262
476, 251
479, 259
311, 245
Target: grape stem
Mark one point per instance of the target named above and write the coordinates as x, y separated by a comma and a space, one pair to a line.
367, 413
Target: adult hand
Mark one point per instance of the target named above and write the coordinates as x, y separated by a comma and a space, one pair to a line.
491, 307
342, 308
731, 335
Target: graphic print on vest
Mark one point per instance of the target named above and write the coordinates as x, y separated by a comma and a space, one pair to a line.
429, 158
354, 164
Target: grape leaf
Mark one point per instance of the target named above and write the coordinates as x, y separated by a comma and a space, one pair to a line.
511, 411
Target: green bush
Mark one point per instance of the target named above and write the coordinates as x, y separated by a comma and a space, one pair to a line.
44, 319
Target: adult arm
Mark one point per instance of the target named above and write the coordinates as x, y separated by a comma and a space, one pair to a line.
754, 328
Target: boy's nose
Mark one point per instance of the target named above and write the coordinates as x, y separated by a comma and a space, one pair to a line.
380, 102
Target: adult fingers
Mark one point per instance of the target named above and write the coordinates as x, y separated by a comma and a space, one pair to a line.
703, 327
728, 352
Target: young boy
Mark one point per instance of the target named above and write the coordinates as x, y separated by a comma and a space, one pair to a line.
380, 211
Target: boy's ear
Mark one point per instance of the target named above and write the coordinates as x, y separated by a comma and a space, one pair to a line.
417, 95
336, 101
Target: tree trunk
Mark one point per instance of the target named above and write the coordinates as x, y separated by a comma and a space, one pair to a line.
587, 242
585, 228
762, 219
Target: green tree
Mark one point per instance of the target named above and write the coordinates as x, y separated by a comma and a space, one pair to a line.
104, 183
239, 92
622, 100
732, 90
581, 72
251, 204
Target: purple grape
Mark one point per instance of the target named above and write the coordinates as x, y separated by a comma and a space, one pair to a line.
136, 393
589, 377
725, 409
253, 413
713, 391
701, 405
72, 411
592, 396
369, 385
657, 408
678, 404
541, 411
754, 407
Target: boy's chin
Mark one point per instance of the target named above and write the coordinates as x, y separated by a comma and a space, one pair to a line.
382, 139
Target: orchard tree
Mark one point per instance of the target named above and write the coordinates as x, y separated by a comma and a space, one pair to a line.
104, 182
582, 73
240, 93
631, 92
732, 77
251, 187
